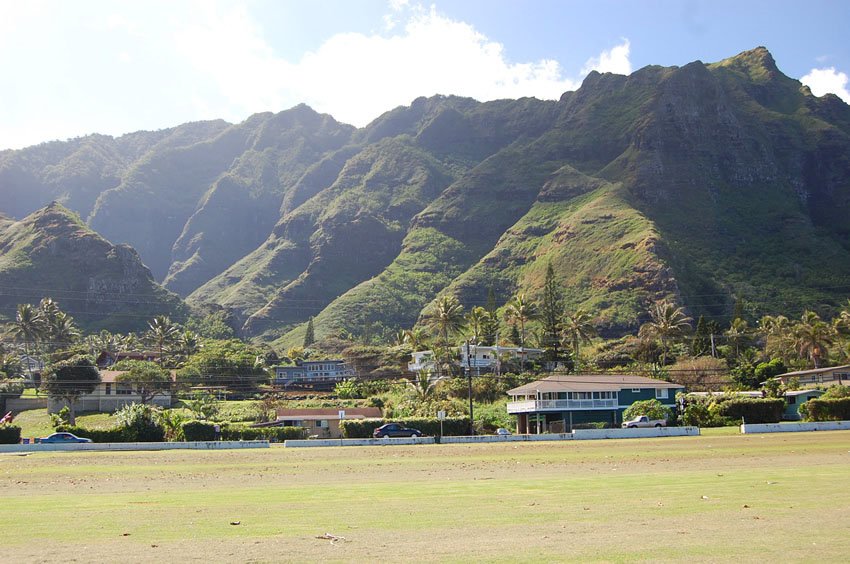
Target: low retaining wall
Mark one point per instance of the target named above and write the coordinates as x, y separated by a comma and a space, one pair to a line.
795, 427
591, 434
23, 404
507, 438
359, 442
196, 445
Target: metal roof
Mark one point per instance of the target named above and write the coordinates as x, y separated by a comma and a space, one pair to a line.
591, 383
815, 371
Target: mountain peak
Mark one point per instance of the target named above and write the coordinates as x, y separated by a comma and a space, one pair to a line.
758, 64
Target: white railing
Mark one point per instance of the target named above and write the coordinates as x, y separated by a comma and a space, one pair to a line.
555, 405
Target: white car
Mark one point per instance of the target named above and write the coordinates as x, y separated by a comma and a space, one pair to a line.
501, 431
644, 421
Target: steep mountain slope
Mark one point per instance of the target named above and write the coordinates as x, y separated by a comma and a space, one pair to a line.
51, 253
705, 184
702, 184
76, 172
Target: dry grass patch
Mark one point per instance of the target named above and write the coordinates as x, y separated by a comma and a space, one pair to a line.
717, 498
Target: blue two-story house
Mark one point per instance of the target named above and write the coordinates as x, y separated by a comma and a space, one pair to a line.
560, 402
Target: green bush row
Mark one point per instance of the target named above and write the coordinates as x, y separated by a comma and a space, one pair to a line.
273, 434
205, 431
826, 409
199, 431
363, 428
753, 410
10, 434
114, 435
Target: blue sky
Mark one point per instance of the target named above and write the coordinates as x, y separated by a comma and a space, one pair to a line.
108, 66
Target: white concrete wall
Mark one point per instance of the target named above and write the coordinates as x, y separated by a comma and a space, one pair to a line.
197, 445
590, 434
507, 438
359, 442
795, 427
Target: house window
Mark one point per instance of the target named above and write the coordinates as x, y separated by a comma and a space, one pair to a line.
661, 393
792, 400
635, 390
108, 389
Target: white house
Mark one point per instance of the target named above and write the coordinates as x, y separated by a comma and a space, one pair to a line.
110, 395
475, 356
819, 376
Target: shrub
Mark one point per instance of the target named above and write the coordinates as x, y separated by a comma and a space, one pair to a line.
114, 435
199, 431
836, 392
821, 409
753, 410
10, 434
140, 423
363, 428
273, 434
651, 408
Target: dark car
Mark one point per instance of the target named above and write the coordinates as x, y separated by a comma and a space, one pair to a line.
63, 438
395, 430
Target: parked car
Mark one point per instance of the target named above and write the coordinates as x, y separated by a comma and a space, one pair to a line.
63, 438
644, 421
395, 430
503, 432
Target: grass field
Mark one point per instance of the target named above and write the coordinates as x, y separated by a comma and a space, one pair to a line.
720, 497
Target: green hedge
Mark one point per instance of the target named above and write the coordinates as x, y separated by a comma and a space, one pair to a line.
363, 428
753, 410
273, 434
826, 409
10, 435
114, 435
199, 431
205, 431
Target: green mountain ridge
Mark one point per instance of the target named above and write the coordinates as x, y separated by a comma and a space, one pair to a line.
52, 253
704, 184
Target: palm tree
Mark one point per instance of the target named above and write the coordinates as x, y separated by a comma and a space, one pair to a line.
813, 338
162, 333
415, 338
29, 326
777, 333
668, 322
422, 386
445, 317
737, 334
520, 309
187, 344
476, 323
63, 332
578, 329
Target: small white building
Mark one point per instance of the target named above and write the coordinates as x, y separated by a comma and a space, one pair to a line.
111, 395
833, 375
475, 356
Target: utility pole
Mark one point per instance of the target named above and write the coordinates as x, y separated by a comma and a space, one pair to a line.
469, 383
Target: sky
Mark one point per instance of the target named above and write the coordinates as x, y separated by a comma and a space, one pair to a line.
71, 68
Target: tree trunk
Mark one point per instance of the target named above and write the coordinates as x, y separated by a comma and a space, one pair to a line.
72, 411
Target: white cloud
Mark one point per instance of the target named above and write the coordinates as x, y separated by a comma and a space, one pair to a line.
827, 81
355, 77
615, 60
172, 62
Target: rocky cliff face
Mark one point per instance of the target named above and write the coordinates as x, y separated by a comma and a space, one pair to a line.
703, 184
51, 253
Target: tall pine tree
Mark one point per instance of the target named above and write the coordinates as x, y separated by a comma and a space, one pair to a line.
309, 335
551, 315
491, 326
701, 345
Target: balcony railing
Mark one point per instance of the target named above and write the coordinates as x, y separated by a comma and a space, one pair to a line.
529, 406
